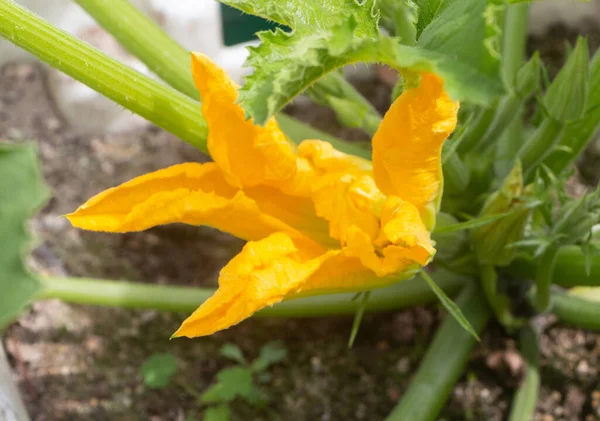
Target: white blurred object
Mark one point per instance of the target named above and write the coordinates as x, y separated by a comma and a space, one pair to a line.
570, 13
198, 26
11, 405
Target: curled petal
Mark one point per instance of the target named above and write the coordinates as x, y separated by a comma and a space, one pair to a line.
408, 144
195, 194
264, 273
402, 226
247, 153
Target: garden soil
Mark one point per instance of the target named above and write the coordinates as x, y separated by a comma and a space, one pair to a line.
76, 363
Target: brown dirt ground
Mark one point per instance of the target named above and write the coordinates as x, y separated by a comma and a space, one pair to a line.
75, 362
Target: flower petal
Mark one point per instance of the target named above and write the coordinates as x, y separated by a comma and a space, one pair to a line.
407, 146
346, 200
191, 193
342, 189
296, 211
247, 153
326, 159
264, 273
275, 268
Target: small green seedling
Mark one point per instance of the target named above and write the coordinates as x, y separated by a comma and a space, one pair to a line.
158, 370
241, 381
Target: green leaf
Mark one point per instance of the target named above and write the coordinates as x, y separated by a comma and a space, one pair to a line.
233, 352
217, 413
231, 383
158, 370
324, 38
450, 305
271, 353
358, 317
22, 192
428, 11
470, 224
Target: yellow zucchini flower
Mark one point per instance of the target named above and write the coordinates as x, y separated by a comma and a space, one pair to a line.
316, 220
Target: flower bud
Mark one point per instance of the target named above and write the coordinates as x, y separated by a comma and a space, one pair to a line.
528, 77
574, 220
566, 98
490, 241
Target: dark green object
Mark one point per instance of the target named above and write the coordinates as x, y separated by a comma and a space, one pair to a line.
239, 27
22, 192
158, 370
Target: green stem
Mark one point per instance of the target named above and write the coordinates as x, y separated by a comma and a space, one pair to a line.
514, 41
186, 299
576, 310
524, 402
544, 276
146, 40
509, 108
298, 132
159, 104
499, 302
569, 268
351, 107
444, 361
476, 130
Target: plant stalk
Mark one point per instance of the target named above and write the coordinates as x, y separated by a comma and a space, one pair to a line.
444, 361
569, 268
543, 277
576, 310
514, 41
540, 145
186, 299
146, 40
523, 407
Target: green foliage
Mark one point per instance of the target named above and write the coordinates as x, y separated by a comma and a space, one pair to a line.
450, 305
217, 413
578, 134
158, 370
233, 352
270, 354
240, 381
351, 108
364, 298
323, 39
400, 18
22, 192
231, 383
